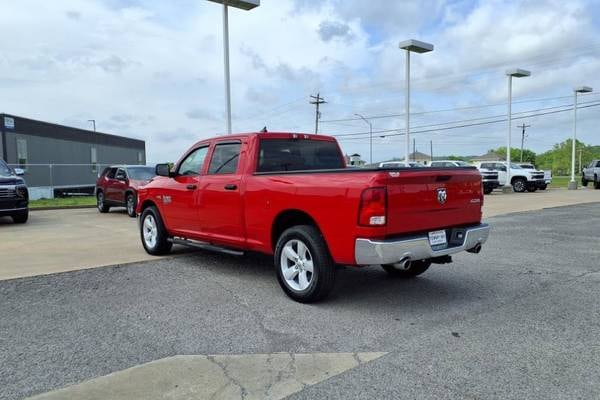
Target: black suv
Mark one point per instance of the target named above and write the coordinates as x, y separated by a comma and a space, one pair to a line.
14, 196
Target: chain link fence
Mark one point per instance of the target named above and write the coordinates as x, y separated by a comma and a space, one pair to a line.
54, 180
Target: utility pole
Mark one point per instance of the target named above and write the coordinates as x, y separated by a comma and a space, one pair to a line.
414, 150
93, 121
580, 150
431, 149
317, 101
523, 127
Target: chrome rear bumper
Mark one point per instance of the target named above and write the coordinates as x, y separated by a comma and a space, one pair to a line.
369, 252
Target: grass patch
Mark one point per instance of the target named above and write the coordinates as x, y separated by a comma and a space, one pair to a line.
563, 181
64, 202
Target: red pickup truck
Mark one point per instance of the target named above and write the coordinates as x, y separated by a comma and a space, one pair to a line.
292, 196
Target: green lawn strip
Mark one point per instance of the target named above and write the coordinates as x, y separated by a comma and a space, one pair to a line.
77, 201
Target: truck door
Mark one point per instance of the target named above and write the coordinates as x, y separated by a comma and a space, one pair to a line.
220, 212
115, 190
180, 198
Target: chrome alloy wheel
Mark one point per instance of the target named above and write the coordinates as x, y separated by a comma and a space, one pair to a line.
150, 231
296, 265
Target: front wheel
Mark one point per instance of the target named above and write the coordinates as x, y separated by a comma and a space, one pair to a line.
532, 188
100, 203
304, 267
487, 190
596, 183
153, 233
519, 185
584, 182
415, 268
543, 187
130, 202
21, 218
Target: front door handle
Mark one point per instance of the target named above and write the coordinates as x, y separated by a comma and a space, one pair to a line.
191, 187
230, 186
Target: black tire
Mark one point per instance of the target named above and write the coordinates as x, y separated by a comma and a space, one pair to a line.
101, 202
130, 204
584, 182
532, 188
416, 268
161, 245
543, 187
21, 218
323, 275
519, 185
596, 182
487, 190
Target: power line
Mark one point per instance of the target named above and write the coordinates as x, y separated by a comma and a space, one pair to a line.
464, 125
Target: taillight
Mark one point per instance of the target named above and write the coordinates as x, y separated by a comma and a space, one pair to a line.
373, 207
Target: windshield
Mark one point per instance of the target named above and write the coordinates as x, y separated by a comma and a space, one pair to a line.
527, 166
298, 155
141, 173
4, 169
515, 166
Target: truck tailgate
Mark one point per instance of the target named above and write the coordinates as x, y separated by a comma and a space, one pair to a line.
417, 202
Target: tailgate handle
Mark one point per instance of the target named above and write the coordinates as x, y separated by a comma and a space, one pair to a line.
442, 178
191, 187
230, 186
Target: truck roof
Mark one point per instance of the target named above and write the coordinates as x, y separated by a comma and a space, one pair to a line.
272, 135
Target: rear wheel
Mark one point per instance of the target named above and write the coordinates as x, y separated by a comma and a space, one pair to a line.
519, 185
543, 187
130, 202
21, 218
487, 190
304, 267
596, 182
531, 188
415, 268
100, 203
153, 233
584, 182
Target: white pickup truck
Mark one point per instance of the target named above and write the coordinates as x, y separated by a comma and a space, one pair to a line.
521, 179
591, 174
547, 175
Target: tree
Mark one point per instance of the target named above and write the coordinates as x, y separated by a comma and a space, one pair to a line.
559, 158
515, 154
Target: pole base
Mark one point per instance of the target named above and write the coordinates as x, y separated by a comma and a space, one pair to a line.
507, 189
572, 185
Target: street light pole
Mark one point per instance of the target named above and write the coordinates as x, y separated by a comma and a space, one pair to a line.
93, 121
517, 73
244, 5
226, 64
417, 47
370, 137
580, 89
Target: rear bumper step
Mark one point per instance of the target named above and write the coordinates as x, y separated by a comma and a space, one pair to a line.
371, 252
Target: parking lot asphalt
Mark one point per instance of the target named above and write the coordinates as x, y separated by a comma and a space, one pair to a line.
520, 320
67, 240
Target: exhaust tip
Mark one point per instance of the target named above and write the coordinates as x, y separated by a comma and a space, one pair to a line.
404, 263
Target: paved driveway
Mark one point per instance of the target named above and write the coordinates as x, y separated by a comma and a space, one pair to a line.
518, 321
67, 240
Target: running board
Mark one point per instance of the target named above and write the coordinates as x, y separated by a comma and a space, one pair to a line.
205, 246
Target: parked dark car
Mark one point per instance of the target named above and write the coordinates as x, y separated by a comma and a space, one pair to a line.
14, 196
117, 186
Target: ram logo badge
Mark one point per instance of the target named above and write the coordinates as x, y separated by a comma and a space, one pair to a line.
442, 196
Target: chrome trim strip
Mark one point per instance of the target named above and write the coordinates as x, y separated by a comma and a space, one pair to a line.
370, 252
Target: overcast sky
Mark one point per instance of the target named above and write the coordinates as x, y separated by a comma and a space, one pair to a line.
153, 69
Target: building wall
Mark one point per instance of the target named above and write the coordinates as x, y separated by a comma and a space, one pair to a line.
43, 150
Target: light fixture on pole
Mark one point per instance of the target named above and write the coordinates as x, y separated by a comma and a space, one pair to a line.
416, 47
579, 89
244, 5
370, 137
516, 73
93, 121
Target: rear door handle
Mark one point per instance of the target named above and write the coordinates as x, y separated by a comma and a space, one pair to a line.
191, 187
230, 186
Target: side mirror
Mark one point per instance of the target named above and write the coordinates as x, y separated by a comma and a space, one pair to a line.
19, 171
163, 170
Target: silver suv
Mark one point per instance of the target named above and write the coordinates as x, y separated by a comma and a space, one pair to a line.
14, 196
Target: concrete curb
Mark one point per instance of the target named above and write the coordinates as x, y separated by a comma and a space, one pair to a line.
59, 208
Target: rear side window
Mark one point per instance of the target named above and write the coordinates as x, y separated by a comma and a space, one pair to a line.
111, 173
225, 158
278, 155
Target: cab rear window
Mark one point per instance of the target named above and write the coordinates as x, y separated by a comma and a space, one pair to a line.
278, 155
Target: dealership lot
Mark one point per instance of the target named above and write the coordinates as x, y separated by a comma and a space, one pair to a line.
67, 240
519, 320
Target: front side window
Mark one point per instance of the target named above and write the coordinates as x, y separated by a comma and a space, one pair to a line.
111, 173
121, 175
22, 153
225, 158
193, 163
